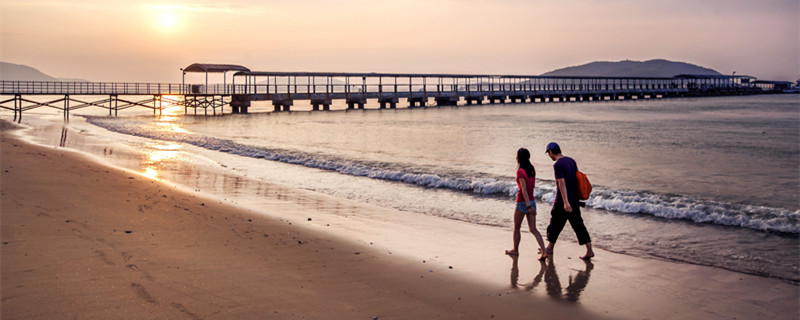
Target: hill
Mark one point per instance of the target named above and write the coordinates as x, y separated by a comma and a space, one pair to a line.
628, 68
19, 72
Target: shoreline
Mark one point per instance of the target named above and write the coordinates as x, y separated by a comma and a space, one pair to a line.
487, 282
103, 242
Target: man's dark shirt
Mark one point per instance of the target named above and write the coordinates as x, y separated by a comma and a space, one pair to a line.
566, 168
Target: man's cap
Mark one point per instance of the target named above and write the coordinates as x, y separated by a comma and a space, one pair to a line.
552, 146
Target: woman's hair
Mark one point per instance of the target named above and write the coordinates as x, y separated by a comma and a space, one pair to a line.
524, 158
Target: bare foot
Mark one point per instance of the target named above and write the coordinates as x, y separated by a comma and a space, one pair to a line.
588, 256
543, 254
512, 253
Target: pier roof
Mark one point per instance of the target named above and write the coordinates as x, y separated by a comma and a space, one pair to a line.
354, 74
773, 82
214, 68
711, 76
424, 75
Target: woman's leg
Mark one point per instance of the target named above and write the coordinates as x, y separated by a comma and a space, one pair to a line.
517, 235
536, 234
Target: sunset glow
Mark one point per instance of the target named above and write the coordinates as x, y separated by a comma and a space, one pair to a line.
167, 20
516, 37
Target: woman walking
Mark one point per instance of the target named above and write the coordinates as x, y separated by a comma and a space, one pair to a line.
526, 207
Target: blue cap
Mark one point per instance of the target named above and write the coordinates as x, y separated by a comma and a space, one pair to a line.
552, 146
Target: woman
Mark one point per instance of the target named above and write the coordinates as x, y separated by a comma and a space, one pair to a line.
526, 207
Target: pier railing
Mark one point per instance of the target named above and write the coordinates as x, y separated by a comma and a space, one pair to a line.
287, 83
90, 88
376, 85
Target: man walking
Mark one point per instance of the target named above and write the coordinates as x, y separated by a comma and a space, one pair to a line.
566, 208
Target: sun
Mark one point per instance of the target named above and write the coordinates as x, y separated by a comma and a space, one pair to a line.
167, 20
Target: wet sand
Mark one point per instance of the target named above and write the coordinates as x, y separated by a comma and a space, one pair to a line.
84, 240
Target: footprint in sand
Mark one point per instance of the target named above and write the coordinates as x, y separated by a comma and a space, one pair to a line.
142, 293
104, 257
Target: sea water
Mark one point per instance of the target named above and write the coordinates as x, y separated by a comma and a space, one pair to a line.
711, 181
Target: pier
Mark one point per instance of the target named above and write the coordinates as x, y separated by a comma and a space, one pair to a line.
387, 90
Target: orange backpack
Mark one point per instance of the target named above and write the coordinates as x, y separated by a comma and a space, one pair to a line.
584, 186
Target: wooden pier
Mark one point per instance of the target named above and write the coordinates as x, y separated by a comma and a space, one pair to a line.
321, 89
386, 90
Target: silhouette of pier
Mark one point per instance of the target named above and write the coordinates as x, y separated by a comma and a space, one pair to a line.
387, 90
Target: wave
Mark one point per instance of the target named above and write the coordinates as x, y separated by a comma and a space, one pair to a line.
603, 198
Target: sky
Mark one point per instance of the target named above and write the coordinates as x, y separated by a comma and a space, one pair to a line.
141, 41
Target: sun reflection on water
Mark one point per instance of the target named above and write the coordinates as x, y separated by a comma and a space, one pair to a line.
168, 119
158, 154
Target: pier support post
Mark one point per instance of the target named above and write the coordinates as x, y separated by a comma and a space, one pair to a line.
240, 103
282, 105
18, 108
66, 108
497, 99
323, 100
391, 100
418, 99
354, 101
446, 101
475, 97
316, 106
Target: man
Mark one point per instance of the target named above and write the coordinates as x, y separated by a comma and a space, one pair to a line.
566, 208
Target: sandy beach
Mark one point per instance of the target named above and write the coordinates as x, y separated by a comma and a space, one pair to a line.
83, 240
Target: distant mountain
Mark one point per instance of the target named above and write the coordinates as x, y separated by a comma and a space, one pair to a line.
19, 72
628, 68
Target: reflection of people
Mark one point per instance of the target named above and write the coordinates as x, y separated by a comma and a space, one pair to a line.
538, 278
553, 284
514, 271
577, 284
526, 206
566, 207
552, 281
515, 274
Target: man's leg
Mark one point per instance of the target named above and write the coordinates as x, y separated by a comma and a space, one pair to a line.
558, 219
576, 221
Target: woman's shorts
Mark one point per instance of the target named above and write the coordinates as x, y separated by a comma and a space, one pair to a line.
522, 207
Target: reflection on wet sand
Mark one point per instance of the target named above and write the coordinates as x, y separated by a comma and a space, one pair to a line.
63, 142
554, 289
158, 154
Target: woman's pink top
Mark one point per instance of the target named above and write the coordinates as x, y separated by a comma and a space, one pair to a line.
529, 183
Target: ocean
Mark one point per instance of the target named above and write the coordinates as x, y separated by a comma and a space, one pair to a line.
708, 181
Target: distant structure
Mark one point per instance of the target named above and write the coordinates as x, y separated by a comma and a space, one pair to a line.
321, 89
197, 97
